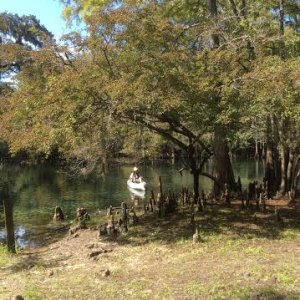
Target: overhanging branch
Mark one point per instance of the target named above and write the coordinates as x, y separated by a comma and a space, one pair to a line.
211, 177
160, 131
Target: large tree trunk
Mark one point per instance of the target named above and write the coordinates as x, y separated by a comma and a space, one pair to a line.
270, 173
213, 11
297, 180
9, 221
281, 17
196, 185
289, 172
223, 171
173, 155
256, 154
222, 168
263, 151
296, 175
283, 170
193, 159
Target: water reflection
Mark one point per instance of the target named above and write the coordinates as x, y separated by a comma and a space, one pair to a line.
22, 236
37, 190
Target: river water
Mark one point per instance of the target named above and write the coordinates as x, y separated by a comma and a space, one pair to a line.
37, 190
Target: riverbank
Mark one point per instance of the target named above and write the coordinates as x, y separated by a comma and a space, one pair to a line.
241, 254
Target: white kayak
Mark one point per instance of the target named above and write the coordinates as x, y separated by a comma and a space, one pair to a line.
137, 185
136, 193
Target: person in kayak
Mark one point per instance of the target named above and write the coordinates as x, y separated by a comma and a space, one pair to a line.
135, 176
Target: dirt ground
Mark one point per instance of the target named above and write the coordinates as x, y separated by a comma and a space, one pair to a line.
241, 254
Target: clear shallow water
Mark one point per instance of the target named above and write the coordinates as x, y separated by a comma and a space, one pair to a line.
37, 190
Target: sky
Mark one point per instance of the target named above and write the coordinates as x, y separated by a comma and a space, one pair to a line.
47, 11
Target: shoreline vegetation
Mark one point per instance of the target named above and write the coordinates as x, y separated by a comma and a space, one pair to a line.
240, 253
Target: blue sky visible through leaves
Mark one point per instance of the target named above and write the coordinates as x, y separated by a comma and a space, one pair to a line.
47, 11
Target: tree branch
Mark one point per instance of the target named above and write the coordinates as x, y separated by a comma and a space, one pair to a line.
234, 8
211, 177
161, 131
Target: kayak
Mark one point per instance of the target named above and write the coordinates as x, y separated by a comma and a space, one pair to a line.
136, 193
137, 185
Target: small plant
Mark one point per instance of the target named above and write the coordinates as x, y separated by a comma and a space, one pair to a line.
5, 256
284, 277
290, 234
31, 293
231, 245
253, 250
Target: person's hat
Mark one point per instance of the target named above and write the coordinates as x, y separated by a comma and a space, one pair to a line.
135, 169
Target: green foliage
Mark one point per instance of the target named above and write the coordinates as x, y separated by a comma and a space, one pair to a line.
18, 35
77, 9
5, 256
31, 292
23, 30
141, 143
154, 65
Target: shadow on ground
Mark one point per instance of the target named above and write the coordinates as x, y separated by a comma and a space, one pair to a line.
27, 262
270, 294
215, 221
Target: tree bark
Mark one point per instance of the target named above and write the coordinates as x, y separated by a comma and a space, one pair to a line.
173, 156
296, 174
223, 171
243, 8
270, 175
283, 170
213, 11
256, 155
196, 175
193, 159
263, 151
289, 172
9, 221
234, 8
297, 180
281, 16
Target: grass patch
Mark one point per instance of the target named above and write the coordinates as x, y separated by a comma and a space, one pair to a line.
253, 250
290, 234
284, 277
232, 245
194, 289
31, 292
270, 293
5, 256
239, 256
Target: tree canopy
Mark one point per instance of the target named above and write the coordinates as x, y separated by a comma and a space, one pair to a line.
206, 76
